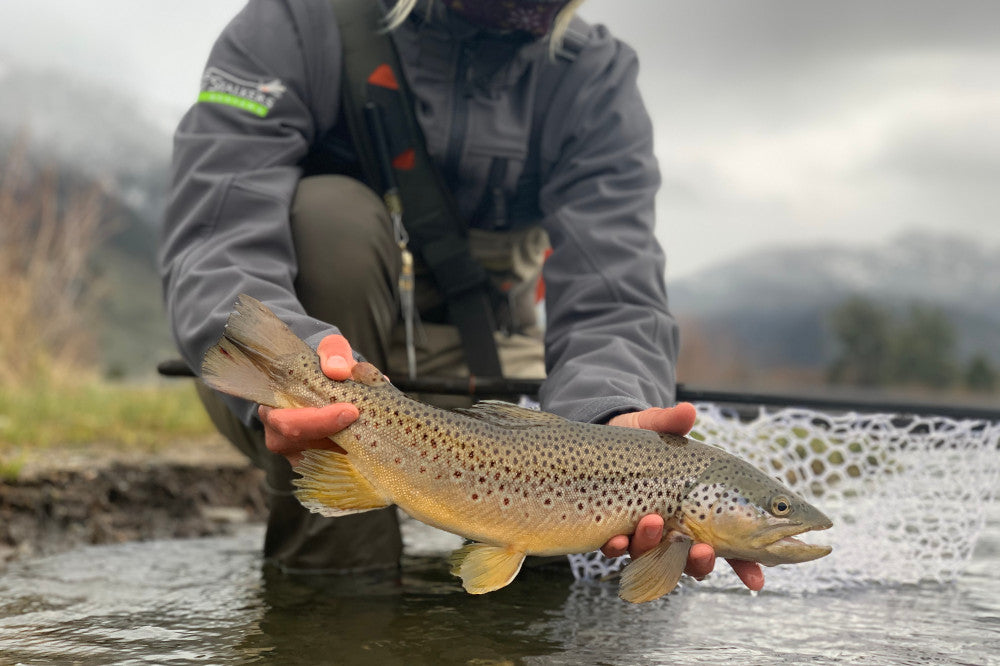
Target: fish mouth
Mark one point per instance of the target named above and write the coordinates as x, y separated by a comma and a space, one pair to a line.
781, 546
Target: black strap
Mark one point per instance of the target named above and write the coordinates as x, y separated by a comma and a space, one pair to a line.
430, 215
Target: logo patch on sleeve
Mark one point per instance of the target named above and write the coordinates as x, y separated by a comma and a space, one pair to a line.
257, 97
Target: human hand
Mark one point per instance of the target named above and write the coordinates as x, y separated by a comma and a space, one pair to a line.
289, 432
649, 530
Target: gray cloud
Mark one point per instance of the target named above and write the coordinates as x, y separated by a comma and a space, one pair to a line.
778, 121
784, 122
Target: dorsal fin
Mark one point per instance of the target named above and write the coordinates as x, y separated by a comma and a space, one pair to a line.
508, 415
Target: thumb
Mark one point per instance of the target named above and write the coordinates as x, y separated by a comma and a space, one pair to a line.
336, 357
677, 420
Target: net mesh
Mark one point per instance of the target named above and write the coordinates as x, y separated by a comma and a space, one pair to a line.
907, 495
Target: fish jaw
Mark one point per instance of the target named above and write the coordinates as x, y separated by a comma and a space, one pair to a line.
757, 540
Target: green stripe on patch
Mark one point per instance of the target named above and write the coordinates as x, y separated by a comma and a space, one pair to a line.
232, 100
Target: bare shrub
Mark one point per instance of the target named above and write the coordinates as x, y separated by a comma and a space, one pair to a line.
48, 233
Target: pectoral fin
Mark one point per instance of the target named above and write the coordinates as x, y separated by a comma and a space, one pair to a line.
654, 573
485, 568
331, 486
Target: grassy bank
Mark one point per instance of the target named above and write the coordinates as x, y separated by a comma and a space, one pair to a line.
117, 417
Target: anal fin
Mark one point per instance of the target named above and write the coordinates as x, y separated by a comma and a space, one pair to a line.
331, 486
656, 572
484, 568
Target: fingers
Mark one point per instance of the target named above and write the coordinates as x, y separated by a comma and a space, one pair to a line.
335, 357
288, 432
701, 561
749, 572
616, 546
677, 420
648, 533
309, 423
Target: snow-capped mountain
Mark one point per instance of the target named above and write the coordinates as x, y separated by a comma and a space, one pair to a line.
775, 304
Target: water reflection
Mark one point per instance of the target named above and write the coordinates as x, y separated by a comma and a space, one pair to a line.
419, 617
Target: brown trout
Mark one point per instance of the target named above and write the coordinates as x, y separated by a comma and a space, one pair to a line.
514, 481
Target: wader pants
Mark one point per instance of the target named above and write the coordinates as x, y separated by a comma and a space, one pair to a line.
348, 266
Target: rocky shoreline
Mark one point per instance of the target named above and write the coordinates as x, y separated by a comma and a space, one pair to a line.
91, 497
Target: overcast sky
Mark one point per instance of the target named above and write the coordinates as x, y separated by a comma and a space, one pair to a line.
778, 121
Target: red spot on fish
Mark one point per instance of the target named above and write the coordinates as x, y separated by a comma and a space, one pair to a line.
457, 474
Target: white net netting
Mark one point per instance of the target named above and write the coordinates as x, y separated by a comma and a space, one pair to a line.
907, 495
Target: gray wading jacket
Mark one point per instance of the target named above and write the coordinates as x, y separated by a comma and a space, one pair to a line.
610, 340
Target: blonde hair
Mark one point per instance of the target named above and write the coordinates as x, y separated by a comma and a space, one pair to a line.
403, 8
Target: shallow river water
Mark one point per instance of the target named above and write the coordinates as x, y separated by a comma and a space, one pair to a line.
211, 601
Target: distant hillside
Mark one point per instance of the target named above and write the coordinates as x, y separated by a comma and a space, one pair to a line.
772, 308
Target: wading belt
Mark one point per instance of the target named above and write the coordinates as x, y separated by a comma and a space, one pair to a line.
374, 79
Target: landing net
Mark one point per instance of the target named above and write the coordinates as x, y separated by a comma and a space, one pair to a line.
908, 496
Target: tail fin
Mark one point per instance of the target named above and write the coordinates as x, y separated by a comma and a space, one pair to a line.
245, 359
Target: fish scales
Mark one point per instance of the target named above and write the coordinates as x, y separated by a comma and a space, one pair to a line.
512, 480
580, 483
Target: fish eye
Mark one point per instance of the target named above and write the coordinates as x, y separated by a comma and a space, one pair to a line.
780, 505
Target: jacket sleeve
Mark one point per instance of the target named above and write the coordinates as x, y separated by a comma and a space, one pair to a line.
611, 342
270, 83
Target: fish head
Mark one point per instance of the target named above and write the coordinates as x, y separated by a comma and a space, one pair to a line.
745, 514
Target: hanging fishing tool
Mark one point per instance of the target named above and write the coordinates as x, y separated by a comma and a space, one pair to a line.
375, 121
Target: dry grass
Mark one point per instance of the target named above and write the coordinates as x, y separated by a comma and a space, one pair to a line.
47, 236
